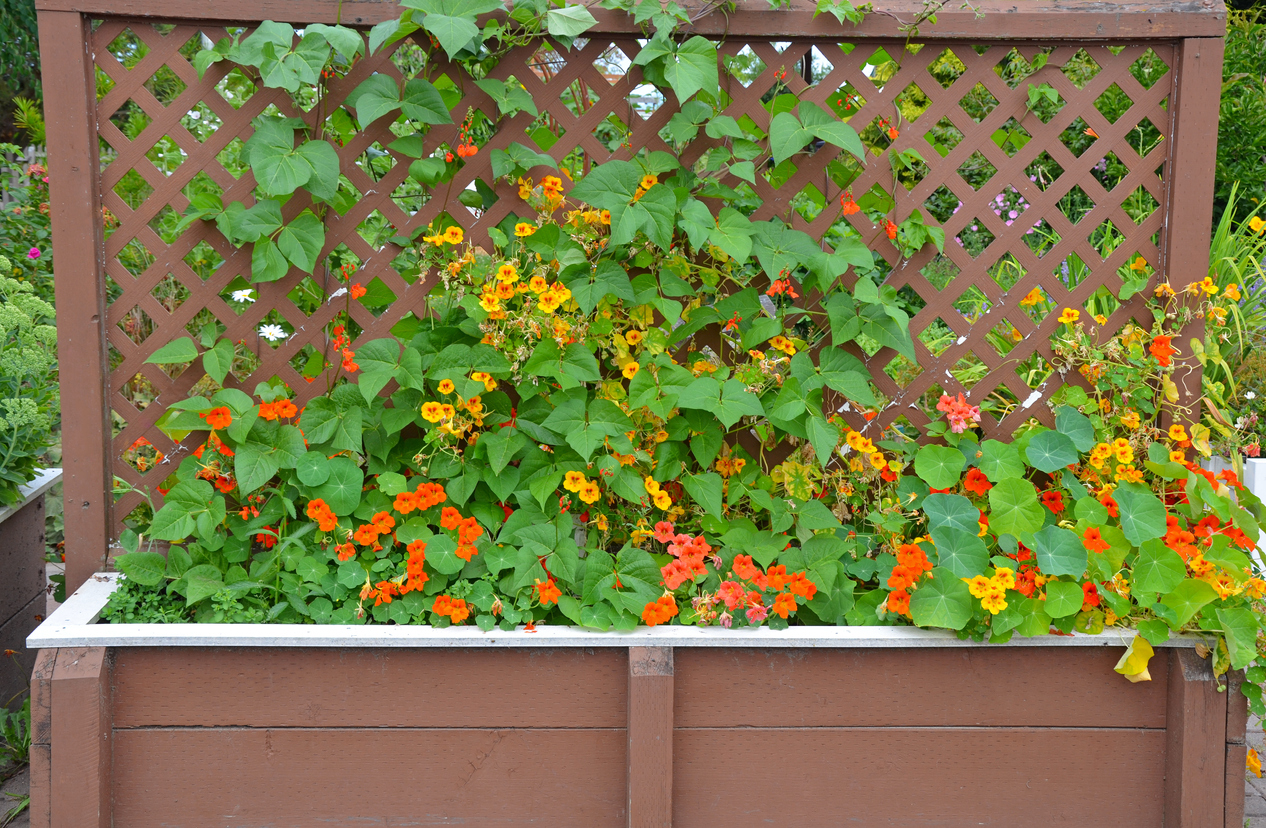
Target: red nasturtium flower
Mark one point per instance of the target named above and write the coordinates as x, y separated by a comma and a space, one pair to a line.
976, 482
659, 611
899, 602
1162, 350
785, 604
549, 592
1111, 505
1094, 541
1053, 500
1090, 596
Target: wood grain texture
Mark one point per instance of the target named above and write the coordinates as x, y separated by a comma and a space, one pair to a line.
1195, 747
1013, 777
299, 778
1046, 19
13, 633
41, 737
226, 686
1236, 756
80, 776
22, 560
650, 737
970, 687
70, 103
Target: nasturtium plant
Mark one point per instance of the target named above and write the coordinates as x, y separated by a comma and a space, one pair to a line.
628, 406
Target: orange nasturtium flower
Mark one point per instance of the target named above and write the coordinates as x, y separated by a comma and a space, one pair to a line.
218, 417
1162, 350
1094, 541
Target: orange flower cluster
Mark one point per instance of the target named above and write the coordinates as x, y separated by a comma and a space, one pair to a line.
468, 531
218, 417
660, 611
281, 409
1093, 540
413, 567
456, 609
320, 511
688, 552
912, 562
381, 524
345, 551
340, 344
382, 592
427, 495
737, 595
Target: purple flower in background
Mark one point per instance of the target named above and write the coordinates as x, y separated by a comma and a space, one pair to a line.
33, 253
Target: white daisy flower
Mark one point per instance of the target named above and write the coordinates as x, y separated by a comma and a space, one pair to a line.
243, 296
1250, 395
272, 332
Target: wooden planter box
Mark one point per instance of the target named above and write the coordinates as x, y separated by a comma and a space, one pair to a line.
257, 725
22, 579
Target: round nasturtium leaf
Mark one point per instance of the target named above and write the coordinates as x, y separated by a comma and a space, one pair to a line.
943, 601
342, 489
1142, 513
999, 460
1013, 507
1059, 552
313, 469
1051, 451
962, 553
1063, 598
939, 466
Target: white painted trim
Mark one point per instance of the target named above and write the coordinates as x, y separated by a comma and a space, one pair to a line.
74, 624
44, 480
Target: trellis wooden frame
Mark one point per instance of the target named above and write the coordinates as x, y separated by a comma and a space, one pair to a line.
1182, 105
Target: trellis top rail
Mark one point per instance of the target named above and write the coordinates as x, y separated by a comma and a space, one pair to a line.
1025, 20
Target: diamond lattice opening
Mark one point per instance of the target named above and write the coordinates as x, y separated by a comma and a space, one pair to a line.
378, 297
1007, 271
977, 170
307, 296
1109, 171
1043, 170
170, 293
131, 119
846, 101
239, 295
235, 88
912, 103
974, 238
1015, 68
1012, 137
231, 158
612, 64
1139, 205
1035, 303
201, 121
1078, 137
375, 161
937, 337
942, 204
1148, 69
1145, 137
1003, 337
1105, 238
127, 48
940, 272
1075, 204
139, 391
1034, 371
273, 330
946, 68
972, 304
579, 97
944, 136
1113, 103
968, 371
611, 132
902, 370
817, 66
646, 99
308, 362
1042, 238
165, 85
166, 155
809, 202
135, 257
879, 68
978, 103
1009, 205
142, 456
1072, 271
136, 325
1080, 69
745, 66
203, 260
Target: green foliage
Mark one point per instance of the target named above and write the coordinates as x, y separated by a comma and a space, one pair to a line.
29, 402
1242, 117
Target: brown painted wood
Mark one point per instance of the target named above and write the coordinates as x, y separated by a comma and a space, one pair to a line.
302, 777
300, 687
827, 777
22, 560
13, 633
1190, 171
1236, 748
70, 104
41, 737
1195, 747
1082, 19
650, 737
986, 687
80, 776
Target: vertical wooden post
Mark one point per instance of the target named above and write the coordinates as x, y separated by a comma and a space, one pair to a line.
650, 756
70, 106
1236, 748
1195, 745
1193, 154
42, 737
81, 726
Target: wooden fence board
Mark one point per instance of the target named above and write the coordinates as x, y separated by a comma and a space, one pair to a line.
302, 777
982, 687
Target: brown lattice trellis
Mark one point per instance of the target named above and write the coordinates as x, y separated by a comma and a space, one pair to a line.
578, 92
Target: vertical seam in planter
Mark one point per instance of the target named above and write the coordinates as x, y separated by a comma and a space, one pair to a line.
42, 737
1236, 748
650, 756
81, 730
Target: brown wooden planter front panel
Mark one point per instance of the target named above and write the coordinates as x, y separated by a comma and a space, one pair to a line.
1016, 736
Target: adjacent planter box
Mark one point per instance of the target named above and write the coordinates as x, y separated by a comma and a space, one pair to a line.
22, 579
257, 725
